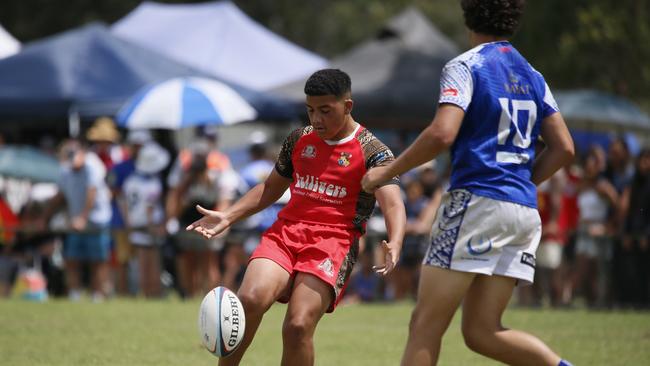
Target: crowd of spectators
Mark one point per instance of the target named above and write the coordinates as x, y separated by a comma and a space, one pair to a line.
115, 224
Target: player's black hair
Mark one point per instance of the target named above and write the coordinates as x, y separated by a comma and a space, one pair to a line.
328, 82
493, 17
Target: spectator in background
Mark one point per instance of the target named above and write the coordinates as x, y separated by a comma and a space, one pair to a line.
568, 225
104, 139
83, 189
596, 199
419, 218
8, 261
430, 180
253, 173
620, 171
634, 278
146, 216
620, 168
250, 230
549, 253
364, 283
422, 193
207, 138
116, 177
35, 249
209, 186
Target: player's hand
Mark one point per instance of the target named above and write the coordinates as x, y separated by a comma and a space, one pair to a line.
373, 178
391, 255
211, 224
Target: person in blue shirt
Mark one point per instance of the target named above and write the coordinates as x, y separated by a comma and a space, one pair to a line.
120, 232
493, 107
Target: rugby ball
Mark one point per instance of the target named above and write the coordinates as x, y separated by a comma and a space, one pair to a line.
221, 321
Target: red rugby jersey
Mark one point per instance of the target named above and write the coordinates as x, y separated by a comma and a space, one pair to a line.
326, 177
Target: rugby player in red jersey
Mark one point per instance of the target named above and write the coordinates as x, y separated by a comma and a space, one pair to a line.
306, 257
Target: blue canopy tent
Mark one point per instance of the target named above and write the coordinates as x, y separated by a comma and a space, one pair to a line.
596, 118
593, 110
92, 72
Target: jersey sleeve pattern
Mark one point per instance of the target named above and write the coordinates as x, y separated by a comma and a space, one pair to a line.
375, 154
456, 84
283, 165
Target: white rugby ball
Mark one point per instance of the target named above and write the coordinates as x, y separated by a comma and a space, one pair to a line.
221, 321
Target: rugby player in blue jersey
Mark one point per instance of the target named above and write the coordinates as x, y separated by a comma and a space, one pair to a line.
493, 107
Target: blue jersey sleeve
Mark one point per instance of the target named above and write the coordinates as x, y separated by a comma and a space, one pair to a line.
550, 105
456, 84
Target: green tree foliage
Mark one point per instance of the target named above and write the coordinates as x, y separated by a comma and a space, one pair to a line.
603, 44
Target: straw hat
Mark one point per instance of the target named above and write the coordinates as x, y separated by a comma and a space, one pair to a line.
103, 130
151, 159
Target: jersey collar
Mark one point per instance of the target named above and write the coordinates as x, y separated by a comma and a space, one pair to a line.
345, 139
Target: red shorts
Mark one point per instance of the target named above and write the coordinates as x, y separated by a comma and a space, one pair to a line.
327, 252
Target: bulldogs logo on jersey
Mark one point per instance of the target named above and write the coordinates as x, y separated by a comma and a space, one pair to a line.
344, 159
309, 152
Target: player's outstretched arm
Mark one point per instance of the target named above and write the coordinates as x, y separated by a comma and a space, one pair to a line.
392, 206
436, 138
261, 196
559, 149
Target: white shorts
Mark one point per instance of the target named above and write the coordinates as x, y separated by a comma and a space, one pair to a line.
482, 235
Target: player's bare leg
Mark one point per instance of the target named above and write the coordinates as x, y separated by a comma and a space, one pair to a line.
439, 295
483, 307
310, 298
264, 282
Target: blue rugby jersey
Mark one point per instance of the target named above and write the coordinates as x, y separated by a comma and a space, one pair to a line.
504, 100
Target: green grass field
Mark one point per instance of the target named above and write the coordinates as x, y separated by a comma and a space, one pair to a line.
132, 332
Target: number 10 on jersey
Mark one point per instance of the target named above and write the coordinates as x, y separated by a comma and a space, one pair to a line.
519, 139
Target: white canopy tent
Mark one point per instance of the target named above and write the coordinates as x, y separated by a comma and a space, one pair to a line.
8, 44
218, 38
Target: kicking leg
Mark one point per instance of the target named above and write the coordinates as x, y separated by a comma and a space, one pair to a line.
264, 282
310, 298
483, 307
439, 294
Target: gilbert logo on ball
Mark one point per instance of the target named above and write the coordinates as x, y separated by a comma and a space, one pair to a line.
221, 321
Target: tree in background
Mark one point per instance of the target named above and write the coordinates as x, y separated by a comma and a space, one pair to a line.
602, 44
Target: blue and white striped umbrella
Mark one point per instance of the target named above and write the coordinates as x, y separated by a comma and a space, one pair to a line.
185, 102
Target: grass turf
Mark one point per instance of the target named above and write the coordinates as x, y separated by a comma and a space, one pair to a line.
137, 332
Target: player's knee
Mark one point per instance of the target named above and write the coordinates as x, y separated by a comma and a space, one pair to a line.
254, 301
298, 328
422, 322
475, 338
